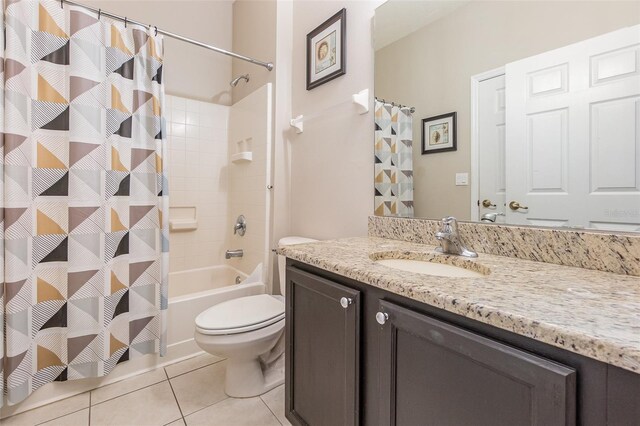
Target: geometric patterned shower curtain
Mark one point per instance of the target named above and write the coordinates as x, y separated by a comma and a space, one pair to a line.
85, 195
393, 160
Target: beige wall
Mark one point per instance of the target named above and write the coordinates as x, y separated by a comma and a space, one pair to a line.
431, 69
190, 71
254, 35
332, 161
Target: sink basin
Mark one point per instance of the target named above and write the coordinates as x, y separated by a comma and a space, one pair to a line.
431, 264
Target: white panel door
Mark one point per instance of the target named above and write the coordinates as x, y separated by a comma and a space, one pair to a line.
573, 122
491, 146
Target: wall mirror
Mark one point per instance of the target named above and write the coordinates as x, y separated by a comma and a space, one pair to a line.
546, 96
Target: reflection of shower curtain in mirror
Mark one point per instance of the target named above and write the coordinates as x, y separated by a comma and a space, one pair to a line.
393, 161
84, 190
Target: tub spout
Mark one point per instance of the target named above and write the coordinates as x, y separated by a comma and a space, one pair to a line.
233, 253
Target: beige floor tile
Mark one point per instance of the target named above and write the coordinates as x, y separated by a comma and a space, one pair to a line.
190, 364
179, 422
200, 388
153, 405
235, 412
49, 412
79, 418
275, 401
122, 387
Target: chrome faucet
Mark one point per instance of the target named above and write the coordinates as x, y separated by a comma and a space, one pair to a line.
241, 226
450, 241
233, 253
491, 217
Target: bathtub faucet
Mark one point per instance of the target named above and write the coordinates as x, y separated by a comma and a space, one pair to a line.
233, 253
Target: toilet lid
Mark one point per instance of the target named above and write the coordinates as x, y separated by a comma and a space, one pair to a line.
241, 314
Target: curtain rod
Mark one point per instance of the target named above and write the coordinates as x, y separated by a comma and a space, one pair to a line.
100, 12
411, 109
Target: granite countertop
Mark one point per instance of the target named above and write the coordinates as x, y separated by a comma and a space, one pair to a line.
592, 313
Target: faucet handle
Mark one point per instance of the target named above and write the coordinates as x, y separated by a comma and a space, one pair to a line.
450, 223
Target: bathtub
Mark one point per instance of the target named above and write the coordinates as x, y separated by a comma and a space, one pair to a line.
194, 290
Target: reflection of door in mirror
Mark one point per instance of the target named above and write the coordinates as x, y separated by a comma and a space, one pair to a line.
576, 149
491, 150
573, 126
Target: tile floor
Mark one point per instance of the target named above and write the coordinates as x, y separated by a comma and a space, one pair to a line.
190, 392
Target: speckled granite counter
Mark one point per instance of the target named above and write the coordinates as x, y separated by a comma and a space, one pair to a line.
592, 313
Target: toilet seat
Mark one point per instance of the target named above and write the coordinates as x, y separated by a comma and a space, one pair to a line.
241, 315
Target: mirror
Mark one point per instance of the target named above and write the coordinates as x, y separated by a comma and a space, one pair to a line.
524, 113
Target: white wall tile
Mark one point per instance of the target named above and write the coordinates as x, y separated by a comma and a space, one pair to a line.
192, 118
192, 131
178, 103
178, 129
198, 169
178, 116
193, 105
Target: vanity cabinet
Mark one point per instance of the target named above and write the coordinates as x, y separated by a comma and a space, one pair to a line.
434, 373
377, 358
323, 351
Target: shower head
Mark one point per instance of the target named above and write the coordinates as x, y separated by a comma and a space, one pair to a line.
235, 81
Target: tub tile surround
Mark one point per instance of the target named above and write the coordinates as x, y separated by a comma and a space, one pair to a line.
592, 313
198, 176
248, 195
617, 253
162, 397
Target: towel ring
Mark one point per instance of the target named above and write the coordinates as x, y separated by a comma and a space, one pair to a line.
125, 22
99, 13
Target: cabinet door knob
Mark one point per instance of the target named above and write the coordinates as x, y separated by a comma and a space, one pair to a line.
345, 302
382, 317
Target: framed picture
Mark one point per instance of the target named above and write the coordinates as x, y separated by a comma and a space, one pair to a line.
439, 133
326, 50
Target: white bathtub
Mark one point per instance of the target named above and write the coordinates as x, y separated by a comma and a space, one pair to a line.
194, 290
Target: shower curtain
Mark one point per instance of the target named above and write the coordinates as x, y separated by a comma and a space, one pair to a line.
85, 196
393, 160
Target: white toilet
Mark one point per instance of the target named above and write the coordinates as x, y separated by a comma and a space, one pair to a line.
248, 331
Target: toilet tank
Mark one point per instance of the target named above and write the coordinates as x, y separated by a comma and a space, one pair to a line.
282, 260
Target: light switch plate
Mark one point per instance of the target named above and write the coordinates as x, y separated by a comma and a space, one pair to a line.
462, 179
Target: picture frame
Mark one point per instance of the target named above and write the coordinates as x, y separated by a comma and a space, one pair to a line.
327, 50
439, 133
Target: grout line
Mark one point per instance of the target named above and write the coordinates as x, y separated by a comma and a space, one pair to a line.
174, 394
168, 379
152, 384
269, 408
54, 418
195, 369
49, 420
127, 393
211, 405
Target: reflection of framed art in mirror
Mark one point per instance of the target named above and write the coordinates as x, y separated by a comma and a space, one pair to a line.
439, 133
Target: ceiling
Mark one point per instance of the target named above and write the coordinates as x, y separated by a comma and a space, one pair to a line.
396, 19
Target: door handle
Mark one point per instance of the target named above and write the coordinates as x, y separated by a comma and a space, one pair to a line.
515, 206
487, 204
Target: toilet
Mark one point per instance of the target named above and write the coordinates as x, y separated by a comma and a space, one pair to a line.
249, 333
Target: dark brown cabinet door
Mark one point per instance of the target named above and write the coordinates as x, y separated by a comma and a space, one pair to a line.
323, 350
434, 373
